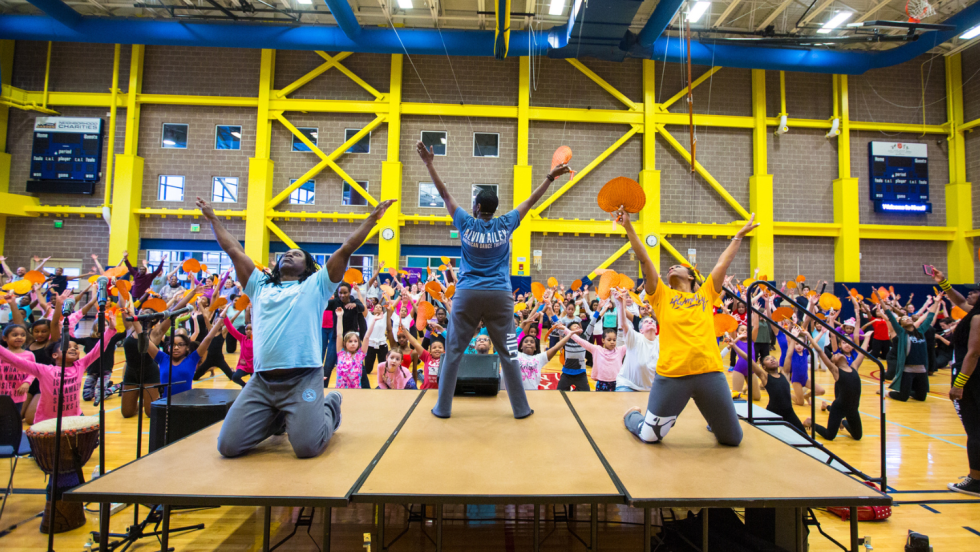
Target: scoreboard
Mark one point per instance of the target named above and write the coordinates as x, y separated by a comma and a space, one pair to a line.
66, 155
899, 177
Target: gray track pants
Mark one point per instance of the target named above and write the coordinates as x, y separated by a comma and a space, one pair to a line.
267, 403
496, 309
669, 396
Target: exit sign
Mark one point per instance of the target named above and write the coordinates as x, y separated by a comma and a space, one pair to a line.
59, 224
195, 228
454, 234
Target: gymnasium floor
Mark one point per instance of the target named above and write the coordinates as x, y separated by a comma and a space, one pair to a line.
926, 450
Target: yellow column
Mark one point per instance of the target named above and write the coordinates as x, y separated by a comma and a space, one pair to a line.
760, 183
959, 199
261, 168
649, 176
847, 246
521, 240
127, 189
6, 67
389, 242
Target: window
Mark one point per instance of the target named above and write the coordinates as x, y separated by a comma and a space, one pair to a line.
216, 261
429, 196
362, 146
171, 188
433, 262
437, 140
224, 189
486, 144
311, 135
351, 196
304, 195
477, 188
174, 136
227, 137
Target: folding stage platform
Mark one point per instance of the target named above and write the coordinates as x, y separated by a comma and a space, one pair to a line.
484, 456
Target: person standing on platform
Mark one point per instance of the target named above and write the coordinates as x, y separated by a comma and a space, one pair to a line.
689, 365
286, 392
484, 288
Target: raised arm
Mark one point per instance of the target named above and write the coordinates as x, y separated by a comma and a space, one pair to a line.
415, 342
651, 278
860, 359
561, 342
538, 193
6, 269
721, 267
428, 157
244, 265
337, 263
206, 343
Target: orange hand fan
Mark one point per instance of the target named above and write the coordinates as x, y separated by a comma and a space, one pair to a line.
636, 299
552, 282
562, 156
435, 290
782, 313
606, 284
445, 260
621, 192
155, 305
957, 313
123, 286
829, 301
800, 279
387, 290
204, 267
725, 323
442, 268
116, 272
854, 292
538, 289
425, 310
35, 277
791, 284
191, 265
450, 291
218, 303
518, 307
353, 276
576, 285
242, 302
626, 282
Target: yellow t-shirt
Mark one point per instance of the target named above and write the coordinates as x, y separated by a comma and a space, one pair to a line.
687, 330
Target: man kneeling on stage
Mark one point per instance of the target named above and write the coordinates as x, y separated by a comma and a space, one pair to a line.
286, 392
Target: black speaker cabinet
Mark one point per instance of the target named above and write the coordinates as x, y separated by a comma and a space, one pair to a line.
190, 411
479, 375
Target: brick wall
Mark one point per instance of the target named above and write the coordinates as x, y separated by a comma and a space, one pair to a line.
333, 85
77, 240
74, 67
808, 95
685, 197
20, 140
569, 258
201, 71
811, 257
200, 162
803, 163
898, 261
938, 177
587, 142
708, 251
727, 92
460, 80
894, 94
973, 172
559, 84
970, 59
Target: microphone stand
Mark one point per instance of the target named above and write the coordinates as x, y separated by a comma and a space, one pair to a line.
104, 507
57, 436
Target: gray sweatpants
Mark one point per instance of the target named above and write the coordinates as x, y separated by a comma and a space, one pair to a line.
669, 396
268, 404
496, 309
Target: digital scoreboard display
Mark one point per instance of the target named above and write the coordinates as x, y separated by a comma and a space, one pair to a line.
899, 177
66, 155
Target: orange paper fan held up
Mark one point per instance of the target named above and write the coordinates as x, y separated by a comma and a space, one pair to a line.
621, 192
725, 323
450, 291
957, 313
242, 302
606, 284
35, 277
425, 309
353, 276
552, 282
538, 289
562, 156
191, 265
782, 313
627, 283
829, 301
576, 285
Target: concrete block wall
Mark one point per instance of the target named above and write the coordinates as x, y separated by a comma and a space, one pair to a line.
803, 162
78, 239
900, 261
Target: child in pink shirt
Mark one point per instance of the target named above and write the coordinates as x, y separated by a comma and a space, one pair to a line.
392, 375
245, 356
13, 382
430, 359
48, 376
606, 360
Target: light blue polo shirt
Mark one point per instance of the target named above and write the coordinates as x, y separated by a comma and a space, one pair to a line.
486, 250
286, 320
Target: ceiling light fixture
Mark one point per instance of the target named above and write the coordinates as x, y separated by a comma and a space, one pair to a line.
971, 33
557, 6
697, 11
405, 4
835, 22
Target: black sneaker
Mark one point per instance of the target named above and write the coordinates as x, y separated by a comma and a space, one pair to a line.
967, 485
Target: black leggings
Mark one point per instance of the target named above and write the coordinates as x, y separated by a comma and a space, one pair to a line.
851, 419
762, 350
879, 348
580, 381
969, 410
231, 345
373, 353
789, 415
215, 359
913, 385
238, 376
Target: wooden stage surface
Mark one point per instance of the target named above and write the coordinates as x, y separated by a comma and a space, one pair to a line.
482, 455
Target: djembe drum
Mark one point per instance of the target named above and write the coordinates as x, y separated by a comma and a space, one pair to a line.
79, 438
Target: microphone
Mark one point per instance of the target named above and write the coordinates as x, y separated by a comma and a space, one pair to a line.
68, 307
102, 284
178, 312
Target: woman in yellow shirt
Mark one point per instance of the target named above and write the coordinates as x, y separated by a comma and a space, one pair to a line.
690, 364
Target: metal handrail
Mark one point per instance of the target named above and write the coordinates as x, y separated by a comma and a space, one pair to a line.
881, 369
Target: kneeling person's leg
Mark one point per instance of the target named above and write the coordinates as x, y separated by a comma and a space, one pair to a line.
249, 420
668, 397
714, 400
310, 419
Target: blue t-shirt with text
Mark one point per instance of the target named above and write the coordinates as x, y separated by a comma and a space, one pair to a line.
486, 250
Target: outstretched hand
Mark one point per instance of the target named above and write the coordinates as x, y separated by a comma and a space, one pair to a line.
205, 208
749, 226
426, 154
559, 170
379, 211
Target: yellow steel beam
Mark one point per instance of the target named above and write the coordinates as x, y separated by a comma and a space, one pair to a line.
17, 205
457, 110
969, 126
959, 193
704, 173
127, 192
799, 123
896, 232
674, 253
973, 233
6, 68
586, 170
602, 83
389, 250
520, 256
111, 151
261, 167
612, 258
201, 101
898, 127
573, 115
132, 106
676, 97
62, 210
302, 81
328, 106
164, 212
319, 215
724, 121
847, 244
649, 219
761, 199
360, 82
282, 235
47, 76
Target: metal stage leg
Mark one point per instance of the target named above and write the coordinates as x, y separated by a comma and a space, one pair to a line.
439, 508
104, 513
379, 516
266, 528
704, 529
537, 527
800, 539
646, 529
593, 546
165, 537
327, 520
854, 529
